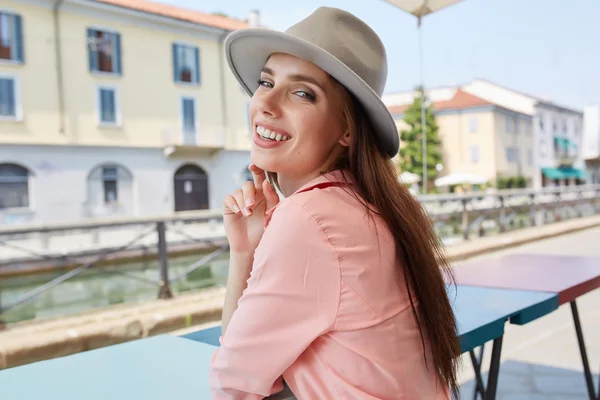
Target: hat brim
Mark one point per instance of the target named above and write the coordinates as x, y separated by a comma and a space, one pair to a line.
248, 50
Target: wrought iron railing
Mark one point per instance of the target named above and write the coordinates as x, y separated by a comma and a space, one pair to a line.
455, 217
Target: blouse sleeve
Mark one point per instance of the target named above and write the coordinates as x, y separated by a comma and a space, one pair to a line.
292, 298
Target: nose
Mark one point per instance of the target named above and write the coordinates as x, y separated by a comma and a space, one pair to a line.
268, 102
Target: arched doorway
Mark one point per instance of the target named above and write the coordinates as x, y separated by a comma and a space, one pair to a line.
191, 188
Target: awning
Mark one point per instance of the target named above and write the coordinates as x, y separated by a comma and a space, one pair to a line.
565, 143
564, 173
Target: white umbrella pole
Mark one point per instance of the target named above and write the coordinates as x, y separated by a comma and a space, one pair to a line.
423, 130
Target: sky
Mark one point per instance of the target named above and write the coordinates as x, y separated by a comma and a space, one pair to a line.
546, 48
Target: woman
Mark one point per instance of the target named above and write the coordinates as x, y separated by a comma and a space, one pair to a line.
338, 288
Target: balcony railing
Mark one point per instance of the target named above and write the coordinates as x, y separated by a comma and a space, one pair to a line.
204, 136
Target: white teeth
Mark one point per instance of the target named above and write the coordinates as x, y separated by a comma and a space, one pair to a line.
269, 134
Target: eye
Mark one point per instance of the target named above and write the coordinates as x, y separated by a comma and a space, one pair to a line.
262, 82
306, 95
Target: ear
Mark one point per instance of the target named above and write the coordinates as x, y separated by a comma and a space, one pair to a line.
345, 140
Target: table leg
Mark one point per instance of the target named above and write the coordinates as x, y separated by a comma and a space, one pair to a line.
492, 383
584, 359
479, 388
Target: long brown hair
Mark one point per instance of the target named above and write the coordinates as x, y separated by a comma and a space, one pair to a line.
418, 247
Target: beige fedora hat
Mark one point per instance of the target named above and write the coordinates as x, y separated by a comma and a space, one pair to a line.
337, 42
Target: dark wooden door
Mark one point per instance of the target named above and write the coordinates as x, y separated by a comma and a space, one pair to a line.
191, 188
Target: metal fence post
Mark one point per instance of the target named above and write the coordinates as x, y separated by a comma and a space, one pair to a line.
465, 220
532, 210
163, 259
502, 214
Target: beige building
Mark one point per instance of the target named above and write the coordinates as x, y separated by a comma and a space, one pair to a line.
116, 107
478, 137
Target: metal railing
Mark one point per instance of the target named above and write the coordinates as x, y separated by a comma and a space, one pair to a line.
463, 214
503, 209
139, 228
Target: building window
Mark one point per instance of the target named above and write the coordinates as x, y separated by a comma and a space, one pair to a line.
9, 98
110, 191
104, 51
541, 124
507, 123
473, 125
14, 186
474, 154
516, 123
188, 118
186, 63
108, 106
11, 37
109, 184
512, 154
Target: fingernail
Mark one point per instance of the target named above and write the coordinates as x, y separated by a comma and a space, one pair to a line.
236, 209
249, 202
247, 212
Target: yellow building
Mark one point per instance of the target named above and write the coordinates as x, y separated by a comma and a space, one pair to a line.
478, 137
116, 107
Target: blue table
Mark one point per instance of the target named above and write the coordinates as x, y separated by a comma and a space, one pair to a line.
169, 367
481, 314
157, 368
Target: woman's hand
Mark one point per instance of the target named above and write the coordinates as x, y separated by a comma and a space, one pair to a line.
245, 210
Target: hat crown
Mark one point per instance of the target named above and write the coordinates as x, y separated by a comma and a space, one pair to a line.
348, 39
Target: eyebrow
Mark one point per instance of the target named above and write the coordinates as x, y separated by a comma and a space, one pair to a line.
296, 78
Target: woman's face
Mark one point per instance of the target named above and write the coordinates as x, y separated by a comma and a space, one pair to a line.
298, 107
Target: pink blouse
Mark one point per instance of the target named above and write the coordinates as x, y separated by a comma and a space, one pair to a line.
326, 308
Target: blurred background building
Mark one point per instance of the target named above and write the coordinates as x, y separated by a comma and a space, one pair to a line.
497, 133
116, 107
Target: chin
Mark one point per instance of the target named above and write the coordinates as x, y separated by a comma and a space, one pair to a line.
265, 162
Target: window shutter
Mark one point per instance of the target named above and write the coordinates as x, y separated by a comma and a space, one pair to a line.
102, 105
175, 63
18, 24
113, 106
197, 64
118, 63
92, 50
10, 90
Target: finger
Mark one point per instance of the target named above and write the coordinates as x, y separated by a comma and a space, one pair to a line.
258, 175
249, 192
230, 205
270, 195
238, 196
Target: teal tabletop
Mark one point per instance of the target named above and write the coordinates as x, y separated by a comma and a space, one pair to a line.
158, 368
480, 312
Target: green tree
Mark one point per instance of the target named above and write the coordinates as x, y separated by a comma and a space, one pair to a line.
411, 153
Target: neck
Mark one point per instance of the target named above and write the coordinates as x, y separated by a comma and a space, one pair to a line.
289, 183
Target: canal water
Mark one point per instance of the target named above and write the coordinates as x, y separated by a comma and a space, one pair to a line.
98, 288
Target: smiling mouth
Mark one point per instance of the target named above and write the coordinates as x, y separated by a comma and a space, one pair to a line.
268, 134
